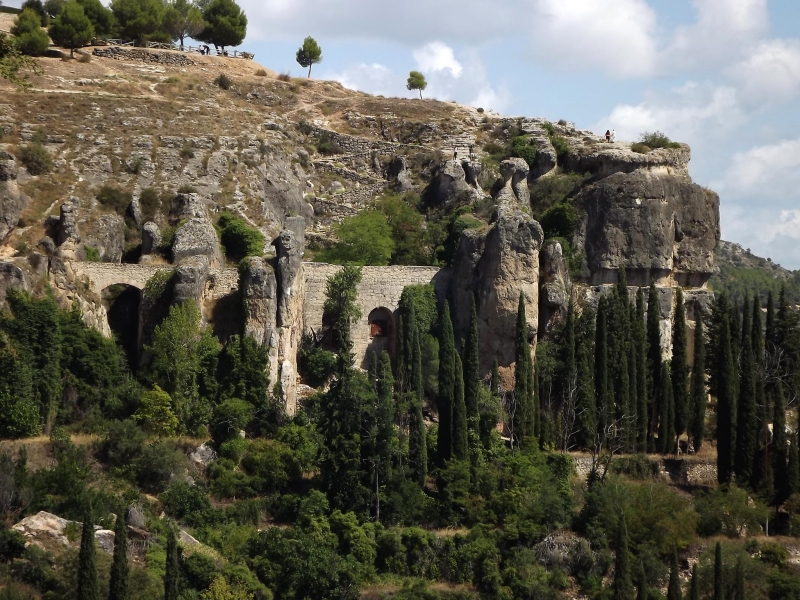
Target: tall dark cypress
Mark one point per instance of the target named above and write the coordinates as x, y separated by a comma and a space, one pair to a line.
780, 468
522, 395
694, 586
414, 368
400, 355
722, 379
601, 387
769, 332
674, 586
384, 417
460, 443
747, 425
570, 366
118, 584
697, 394
793, 469
680, 367
447, 381
623, 393
642, 589
632, 424
172, 572
739, 580
417, 435
494, 383
587, 410
472, 376
640, 341
88, 588
372, 371
666, 422
653, 354
623, 588
719, 582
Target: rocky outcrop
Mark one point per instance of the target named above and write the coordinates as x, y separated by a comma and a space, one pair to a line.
514, 193
107, 236
68, 236
48, 531
555, 287
12, 277
177, 59
12, 200
259, 287
197, 237
399, 173
151, 238
602, 160
283, 191
497, 266
660, 228
189, 280
546, 156
450, 186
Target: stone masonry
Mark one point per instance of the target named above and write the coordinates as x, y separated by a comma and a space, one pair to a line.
163, 58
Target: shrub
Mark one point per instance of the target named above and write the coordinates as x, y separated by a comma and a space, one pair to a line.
239, 239
640, 148
285, 77
327, 145
84, 57
554, 189
122, 446
157, 466
92, 253
114, 198
729, 511
155, 413
559, 220
261, 73
186, 502
187, 152
31, 39
171, 80
36, 159
149, 203
364, 239
521, 148
134, 165
223, 81
315, 364
480, 110
561, 147
656, 139
230, 417
187, 189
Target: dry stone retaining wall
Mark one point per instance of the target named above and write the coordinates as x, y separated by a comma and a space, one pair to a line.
163, 58
352, 145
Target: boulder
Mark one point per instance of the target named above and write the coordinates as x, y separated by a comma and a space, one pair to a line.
202, 456
47, 244
107, 235
185, 206
12, 277
190, 279
546, 157
399, 173
197, 237
48, 531
68, 236
151, 238
12, 200
135, 211
449, 185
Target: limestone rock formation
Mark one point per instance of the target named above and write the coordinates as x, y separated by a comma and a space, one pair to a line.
657, 227
515, 191
260, 294
290, 246
603, 160
107, 235
190, 279
68, 236
555, 288
283, 191
197, 237
12, 277
450, 185
398, 172
546, 156
12, 200
496, 267
151, 238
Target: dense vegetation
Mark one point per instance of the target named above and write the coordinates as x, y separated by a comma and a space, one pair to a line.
352, 492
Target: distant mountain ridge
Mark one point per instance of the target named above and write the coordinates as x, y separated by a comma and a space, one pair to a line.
741, 273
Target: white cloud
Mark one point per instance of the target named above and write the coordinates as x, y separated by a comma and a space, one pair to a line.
615, 36
374, 78
771, 73
692, 113
770, 172
437, 56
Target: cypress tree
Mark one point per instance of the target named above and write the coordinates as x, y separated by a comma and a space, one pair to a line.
740, 579
680, 367
460, 444
769, 333
719, 584
372, 371
632, 424
118, 585
88, 588
522, 395
694, 588
641, 373
653, 359
472, 376
447, 380
674, 587
384, 416
666, 425
570, 366
172, 571
601, 389
400, 355
417, 439
414, 379
793, 469
746, 431
623, 588
697, 396
495, 380
623, 392
587, 410
722, 378
642, 589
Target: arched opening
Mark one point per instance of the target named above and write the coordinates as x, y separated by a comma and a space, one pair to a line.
381, 332
122, 306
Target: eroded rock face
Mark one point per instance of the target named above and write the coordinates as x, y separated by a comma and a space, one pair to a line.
657, 227
108, 237
12, 277
68, 236
497, 266
450, 185
283, 191
546, 156
515, 191
151, 238
399, 173
197, 237
554, 291
190, 279
12, 200
606, 160
290, 246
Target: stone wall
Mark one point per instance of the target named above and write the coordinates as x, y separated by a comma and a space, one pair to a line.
351, 144
139, 54
380, 287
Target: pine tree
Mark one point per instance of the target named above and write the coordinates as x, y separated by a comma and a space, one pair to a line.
674, 587
666, 425
87, 569
722, 380
694, 588
697, 396
680, 367
601, 388
623, 588
447, 365
460, 437
793, 469
747, 426
472, 376
719, 584
118, 585
172, 570
641, 373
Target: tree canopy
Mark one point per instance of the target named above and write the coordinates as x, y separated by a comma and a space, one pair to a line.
31, 38
226, 24
309, 54
71, 28
416, 81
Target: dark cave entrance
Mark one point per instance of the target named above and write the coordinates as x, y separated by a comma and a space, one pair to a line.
122, 305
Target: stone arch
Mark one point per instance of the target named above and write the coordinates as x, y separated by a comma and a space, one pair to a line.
122, 302
381, 332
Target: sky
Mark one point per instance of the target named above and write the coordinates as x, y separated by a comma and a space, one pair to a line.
720, 75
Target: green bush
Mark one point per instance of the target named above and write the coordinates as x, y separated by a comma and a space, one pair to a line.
327, 145
230, 417
223, 81
239, 239
559, 221
728, 510
92, 253
315, 364
561, 147
30, 37
149, 203
521, 148
114, 198
640, 148
122, 447
656, 139
554, 189
364, 239
187, 189
159, 463
36, 159
187, 502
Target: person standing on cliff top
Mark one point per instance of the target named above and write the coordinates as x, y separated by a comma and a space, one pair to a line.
613, 135
608, 135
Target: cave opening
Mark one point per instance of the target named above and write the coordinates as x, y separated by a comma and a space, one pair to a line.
122, 305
